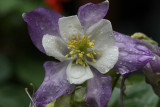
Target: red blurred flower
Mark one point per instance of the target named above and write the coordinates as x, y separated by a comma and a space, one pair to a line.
56, 5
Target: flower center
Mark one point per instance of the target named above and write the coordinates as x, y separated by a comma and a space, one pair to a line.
81, 47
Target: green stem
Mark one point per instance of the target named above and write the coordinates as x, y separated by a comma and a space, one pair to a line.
115, 81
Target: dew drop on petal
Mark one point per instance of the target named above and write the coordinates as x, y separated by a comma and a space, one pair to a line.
44, 90
123, 70
154, 58
42, 28
47, 78
140, 47
144, 58
24, 15
123, 53
120, 44
130, 61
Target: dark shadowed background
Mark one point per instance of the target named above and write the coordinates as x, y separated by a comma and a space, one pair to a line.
21, 63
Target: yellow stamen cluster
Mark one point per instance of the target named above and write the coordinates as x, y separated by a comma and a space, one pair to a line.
81, 48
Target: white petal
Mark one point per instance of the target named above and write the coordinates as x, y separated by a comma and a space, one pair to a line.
77, 74
54, 46
107, 60
102, 33
69, 26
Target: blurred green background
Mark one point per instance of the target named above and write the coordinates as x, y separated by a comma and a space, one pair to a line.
21, 63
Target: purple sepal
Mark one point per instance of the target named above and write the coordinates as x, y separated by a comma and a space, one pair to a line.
152, 74
155, 63
90, 13
133, 55
154, 48
99, 89
55, 84
41, 21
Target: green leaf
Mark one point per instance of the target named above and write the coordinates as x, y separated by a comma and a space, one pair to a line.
139, 94
142, 95
115, 98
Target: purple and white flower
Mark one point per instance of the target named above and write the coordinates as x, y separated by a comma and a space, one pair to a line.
134, 55
85, 46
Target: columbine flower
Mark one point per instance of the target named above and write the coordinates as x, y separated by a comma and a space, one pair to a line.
152, 68
134, 54
78, 42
